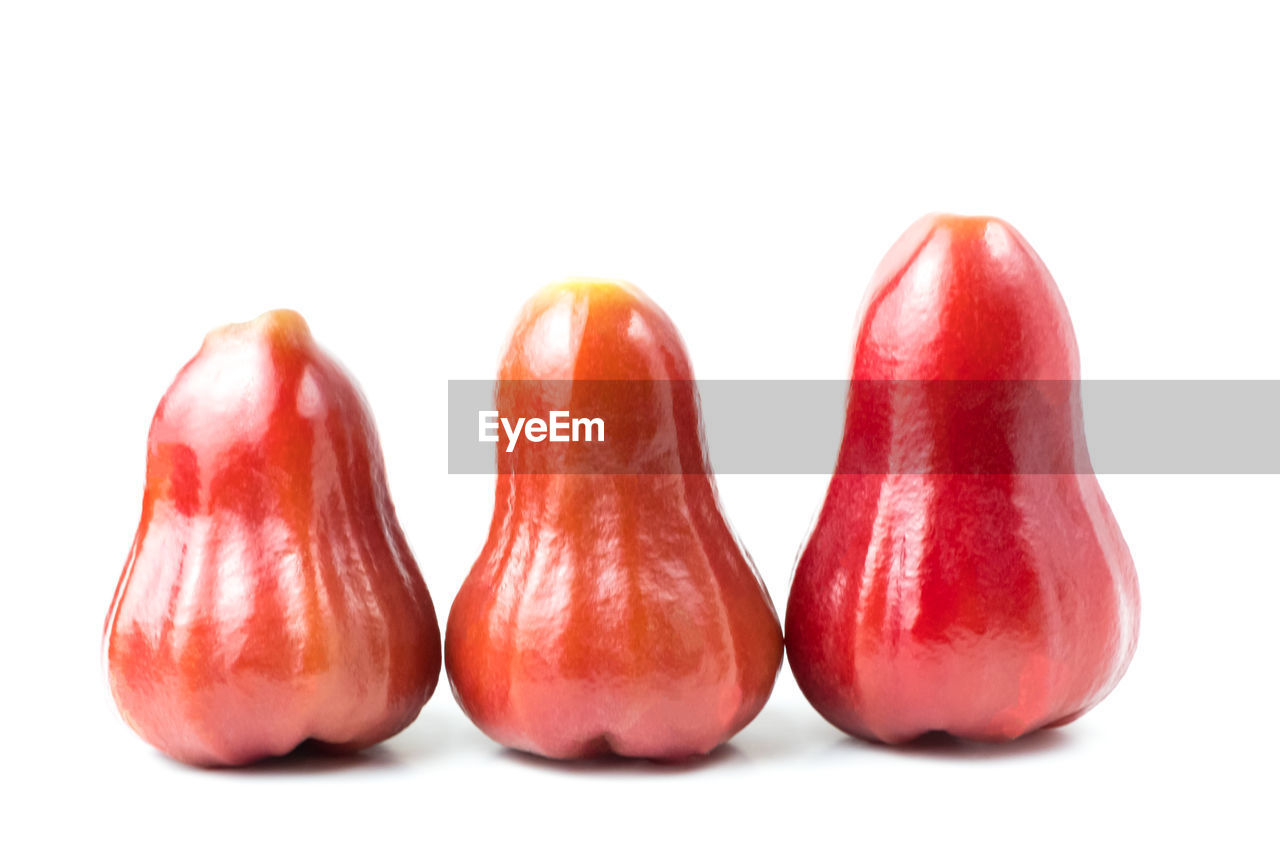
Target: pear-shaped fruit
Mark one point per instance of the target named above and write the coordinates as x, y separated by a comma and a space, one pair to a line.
611, 610
270, 597
965, 573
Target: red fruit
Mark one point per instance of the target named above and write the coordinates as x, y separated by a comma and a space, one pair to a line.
270, 597
930, 597
610, 611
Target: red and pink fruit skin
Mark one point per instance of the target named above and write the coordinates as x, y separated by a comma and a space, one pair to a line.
986, 605
609, 613
270, 597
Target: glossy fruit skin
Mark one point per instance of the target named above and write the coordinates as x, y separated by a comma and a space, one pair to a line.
610, 612
986, 605
270, 597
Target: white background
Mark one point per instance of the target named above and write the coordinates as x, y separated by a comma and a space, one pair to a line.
407, 175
